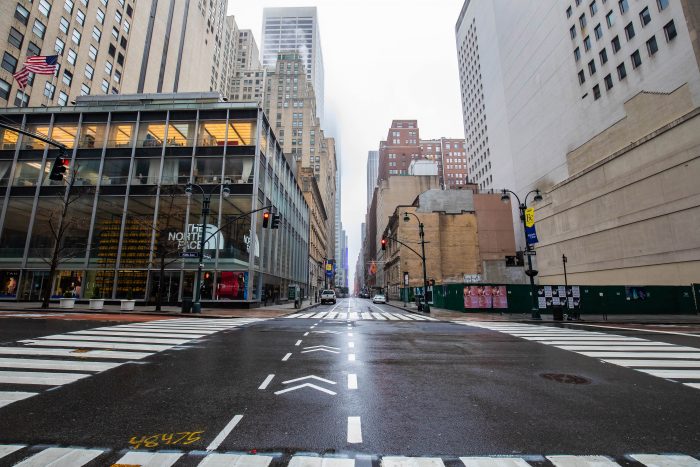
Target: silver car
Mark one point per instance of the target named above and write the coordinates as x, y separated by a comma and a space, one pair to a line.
379, 298
328, 296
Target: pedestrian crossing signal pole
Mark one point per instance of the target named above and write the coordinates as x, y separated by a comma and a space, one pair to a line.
421, 232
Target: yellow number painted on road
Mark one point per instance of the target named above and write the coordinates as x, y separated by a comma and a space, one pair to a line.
153, 441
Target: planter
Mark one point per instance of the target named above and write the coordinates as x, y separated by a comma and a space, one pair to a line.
128, 305
97, 303
67, 302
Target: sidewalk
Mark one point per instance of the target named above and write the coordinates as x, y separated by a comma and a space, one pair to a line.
272, 311
450, 315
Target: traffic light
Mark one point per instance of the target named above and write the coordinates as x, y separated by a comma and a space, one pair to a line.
266, 219
59, 167
383, 243
275, 221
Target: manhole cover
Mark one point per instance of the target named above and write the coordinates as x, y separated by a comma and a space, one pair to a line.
565, 379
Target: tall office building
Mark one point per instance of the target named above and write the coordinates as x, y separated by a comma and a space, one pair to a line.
295, 29
372, 173
577, 111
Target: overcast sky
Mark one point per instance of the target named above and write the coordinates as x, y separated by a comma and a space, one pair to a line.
384, 60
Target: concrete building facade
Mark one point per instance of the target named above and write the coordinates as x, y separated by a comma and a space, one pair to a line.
372, 174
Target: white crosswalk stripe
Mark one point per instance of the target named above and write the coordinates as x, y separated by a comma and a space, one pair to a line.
661, 359
75, 355
77, 457
361, 315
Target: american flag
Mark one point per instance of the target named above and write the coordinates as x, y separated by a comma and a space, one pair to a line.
39, 64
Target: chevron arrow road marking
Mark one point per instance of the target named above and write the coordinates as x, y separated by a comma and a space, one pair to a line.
306, 385
322, 347
319, 350
309, 377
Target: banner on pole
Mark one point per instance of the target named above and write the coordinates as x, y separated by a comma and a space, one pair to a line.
530, 232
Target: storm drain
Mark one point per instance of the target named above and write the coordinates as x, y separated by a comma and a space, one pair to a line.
565, 379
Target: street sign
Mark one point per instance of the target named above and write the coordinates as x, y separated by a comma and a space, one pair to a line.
189, 254
530, 253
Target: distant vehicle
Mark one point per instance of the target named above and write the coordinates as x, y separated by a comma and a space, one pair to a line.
379, 298
364, 294
327, 296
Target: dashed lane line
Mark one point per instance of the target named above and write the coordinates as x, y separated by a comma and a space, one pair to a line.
224, 433
266, 382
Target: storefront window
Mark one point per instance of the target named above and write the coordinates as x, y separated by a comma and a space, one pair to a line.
68, 283
138, 230
88, 172
32, 143
5, 172
151, 134
105, 238
145, 172
132, 284
232, 285
240, 133
92, 136
65, 134
176, 171
239, 169
120, 135
208, 170
14, 235
27, 173
48, 212
235, 232
180, 133
8, 139
8, 283
116, 172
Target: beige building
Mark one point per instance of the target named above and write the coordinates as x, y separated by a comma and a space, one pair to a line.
318, 230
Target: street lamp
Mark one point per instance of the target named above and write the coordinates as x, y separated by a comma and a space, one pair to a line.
426, 307
206, 198
531, 273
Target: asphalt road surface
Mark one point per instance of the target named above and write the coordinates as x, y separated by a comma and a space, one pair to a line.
345, 384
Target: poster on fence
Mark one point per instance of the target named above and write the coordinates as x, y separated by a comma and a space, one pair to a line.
485, 296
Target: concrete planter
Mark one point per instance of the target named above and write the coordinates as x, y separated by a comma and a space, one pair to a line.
128, 305
97, 303
67, 302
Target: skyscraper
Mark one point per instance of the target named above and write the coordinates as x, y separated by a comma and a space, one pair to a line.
372, 172
295, 29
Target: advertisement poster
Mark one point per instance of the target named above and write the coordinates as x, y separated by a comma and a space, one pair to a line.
541, 303
548, 291
500, 296
8, 284
232, 286
485, 297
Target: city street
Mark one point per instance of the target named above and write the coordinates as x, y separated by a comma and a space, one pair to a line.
352, 383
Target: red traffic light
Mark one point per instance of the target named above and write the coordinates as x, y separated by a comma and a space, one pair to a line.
383, 243
60, 166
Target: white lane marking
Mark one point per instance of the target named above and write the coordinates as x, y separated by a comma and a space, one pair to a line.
97, 345
138, 334
351, 357
307, 461
390, 316
378, 317
690, 355
319, 350
607, 342
56, 364
353, 316
673, 374
398, 461
13, 396
668, 460
636, 329
158, 331
655, 363
322, 347
494, 462
582, 461
306, 334
150, 459
7, 449
354, 430
693, 385
43, 352
320, 315
660, 348
306, 385
68, 337
59, 457
295, 315
266, 382
237, 460
332, 315
585, 338
298, 343
349, 334
39, 378
328, 381
224, 433
351, 345
366, 315
306, 315
352, 381
286, 357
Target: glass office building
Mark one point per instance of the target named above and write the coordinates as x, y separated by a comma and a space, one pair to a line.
128, 217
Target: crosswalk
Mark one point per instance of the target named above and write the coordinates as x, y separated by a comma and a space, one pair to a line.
27, 456
660, 359
32, 365
361, 315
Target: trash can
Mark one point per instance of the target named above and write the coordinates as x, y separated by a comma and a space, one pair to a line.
558, 313
419, 302
186, 305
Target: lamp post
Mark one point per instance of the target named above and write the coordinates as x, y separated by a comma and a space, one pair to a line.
522, 206
206, 199
426, 307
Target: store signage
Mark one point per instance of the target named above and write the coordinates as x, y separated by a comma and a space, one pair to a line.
191, 239
472, 278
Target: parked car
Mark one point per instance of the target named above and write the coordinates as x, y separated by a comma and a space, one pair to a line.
327, 296
379, 298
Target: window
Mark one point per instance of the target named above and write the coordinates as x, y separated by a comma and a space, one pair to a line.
80, 17
670, 31
662, 4
598, 32
49, 89
126, 27
4, 89
610, 19
63, 25
112, 50
118, 17
624, 6
652, 46
16, 38
67, 77
122, 42
608, 82
59, 46
581, 77
593, 7
108, 67
117, 76
572, 32
76, 36
578, 2
9, 62
115, 33
44, 8
72, 56
84, 90
62, 98
21, 99
582, 20
120, 59
629, 31
621, 72
89, 71
130, 11
96, 33
92, 53
68, 6
636, 59
33, 49
39, 29
105, 86
577, 54
587, 43
22, 14
616, 44
100, 16
591, 68
596, 92
603, 56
